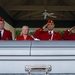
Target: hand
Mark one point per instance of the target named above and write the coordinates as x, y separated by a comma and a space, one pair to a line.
72, 28
45, 26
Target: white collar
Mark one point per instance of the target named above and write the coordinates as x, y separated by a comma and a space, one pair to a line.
51, 31
2, 31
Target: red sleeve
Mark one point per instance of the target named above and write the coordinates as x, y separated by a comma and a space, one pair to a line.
9, 35
60, 37
38, 32
66, 35
29, 38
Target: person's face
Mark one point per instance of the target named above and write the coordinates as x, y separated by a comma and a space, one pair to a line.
1, 24
25, 30
50, 26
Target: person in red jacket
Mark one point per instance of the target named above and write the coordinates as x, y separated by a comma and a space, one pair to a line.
50, 34
24, 36
69, 36
4, 34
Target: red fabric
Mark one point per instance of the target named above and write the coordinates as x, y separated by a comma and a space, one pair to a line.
22, 38
7, 35
44, 35
67, 36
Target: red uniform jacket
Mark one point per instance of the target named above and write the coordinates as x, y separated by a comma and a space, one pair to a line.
44, 35
22, 38
67, 36
7, 35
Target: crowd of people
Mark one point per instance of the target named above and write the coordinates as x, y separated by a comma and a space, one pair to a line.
39, 34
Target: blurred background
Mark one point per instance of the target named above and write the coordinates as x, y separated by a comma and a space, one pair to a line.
35, 14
